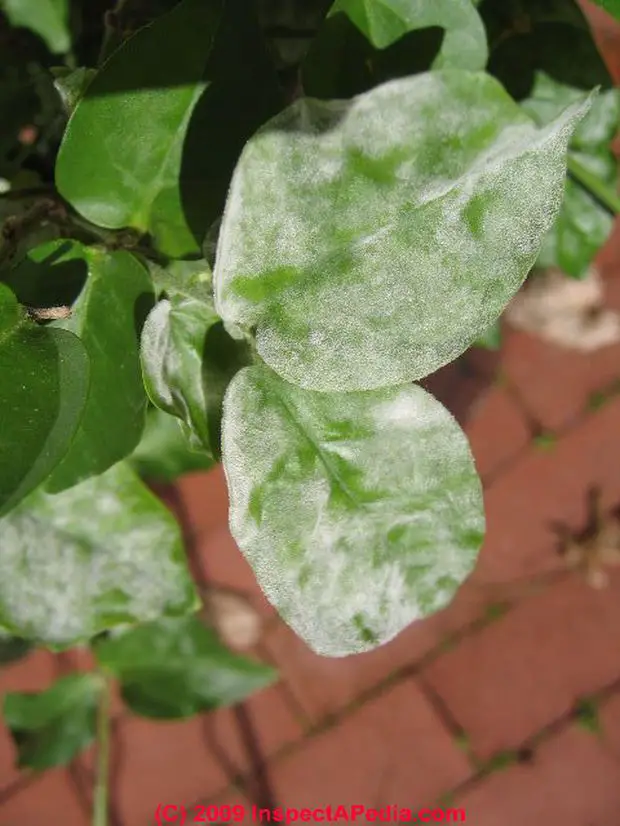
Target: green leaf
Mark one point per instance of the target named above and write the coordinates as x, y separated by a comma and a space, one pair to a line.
153, 142
107, 317
358, 512
184, 279
101, 554
550, 36
176, 668
47, 18
188, 359
384, 22
71, 84
43, 391
491, 338
12, 648
52, 727
583, 224
611, 6
165, 453
385, 253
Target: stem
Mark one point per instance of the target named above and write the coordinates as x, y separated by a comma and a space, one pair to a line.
100, 799
599, 189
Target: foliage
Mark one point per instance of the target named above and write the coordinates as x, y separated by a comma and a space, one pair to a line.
216, 246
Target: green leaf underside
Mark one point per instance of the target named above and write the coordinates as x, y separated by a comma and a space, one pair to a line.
47, 18
52, 727
384, 22
176, 668
583, 224
44, 386
99, 555
120, 160
385, 253
164, 453
117, 293
187, 361
359, 513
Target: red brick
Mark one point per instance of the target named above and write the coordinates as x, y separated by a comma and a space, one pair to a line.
393, 750
555, 384
204, 496
163, 762
322, 686
542, 488
497, 431
35, 672
606, 32
266, 719
457, 388
49, 799
572, 782
609, 718
527, 669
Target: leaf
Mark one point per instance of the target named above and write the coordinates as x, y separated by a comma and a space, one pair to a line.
550, 36
43, 391
188, 359
342, 63
12, 648
385, 253
71, 84
47, 18
164, 452
52, 727
107, 317
491, 338
176, 668
358, 512
384, 22
184, 279
101, 554
146, 146
583, 224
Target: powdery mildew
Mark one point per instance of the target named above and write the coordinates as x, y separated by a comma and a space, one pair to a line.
370, 242
64, 579
359, 512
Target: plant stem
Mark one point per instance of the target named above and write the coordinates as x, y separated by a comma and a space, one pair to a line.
599, 189
100, 799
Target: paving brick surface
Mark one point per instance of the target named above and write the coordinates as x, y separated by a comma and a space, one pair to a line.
51, 799
546, 487
163, 762
572, 781
394, 750
530, 667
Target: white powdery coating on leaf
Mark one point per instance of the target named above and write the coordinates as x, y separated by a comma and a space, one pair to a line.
356, 511
98, 549
154, 346
398, 227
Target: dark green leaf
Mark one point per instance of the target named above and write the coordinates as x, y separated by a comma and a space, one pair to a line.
584, 224
164, 453
176, 668
43, 392
188, 359
12, 648
385, 253
358, 512
99, 555
47, 18
153, 142
71, 85
342, 63
550, 36
108, 317
384, 22
52, 727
